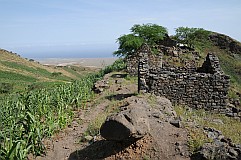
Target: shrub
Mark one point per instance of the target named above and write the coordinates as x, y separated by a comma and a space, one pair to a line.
6, 87
56, 74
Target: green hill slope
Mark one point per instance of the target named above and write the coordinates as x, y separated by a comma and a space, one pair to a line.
20, 73
229, 53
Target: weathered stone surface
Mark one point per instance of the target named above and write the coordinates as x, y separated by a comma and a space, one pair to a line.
128, 124
206, 88
165, 106
226, 42
133, 121
176, 123
99, 86
218, 150
221, 148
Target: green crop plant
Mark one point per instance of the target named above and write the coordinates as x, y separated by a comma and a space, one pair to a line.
26, 118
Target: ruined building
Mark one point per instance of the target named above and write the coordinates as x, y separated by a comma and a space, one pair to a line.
205, 87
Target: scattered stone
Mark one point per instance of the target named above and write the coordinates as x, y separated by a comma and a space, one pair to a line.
176, 123
221, 148
212, 133
118, 81
99, 86
66, 147
230, 114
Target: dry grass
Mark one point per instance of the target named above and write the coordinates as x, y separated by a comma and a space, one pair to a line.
94, 126
229, 127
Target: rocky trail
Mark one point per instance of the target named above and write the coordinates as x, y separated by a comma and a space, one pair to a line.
165, 139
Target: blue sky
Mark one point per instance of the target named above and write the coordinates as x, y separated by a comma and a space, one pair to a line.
89, 28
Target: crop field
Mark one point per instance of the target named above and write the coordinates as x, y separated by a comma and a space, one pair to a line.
26, 118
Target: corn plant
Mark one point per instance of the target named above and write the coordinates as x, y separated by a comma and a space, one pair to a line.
26, 118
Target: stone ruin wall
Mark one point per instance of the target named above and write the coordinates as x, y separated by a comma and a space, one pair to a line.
133, 61
205, 88
167, 47
197, 90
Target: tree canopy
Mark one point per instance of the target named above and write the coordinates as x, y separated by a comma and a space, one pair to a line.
191, 36
150, 34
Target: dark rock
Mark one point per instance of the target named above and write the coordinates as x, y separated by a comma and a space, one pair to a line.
128, 124
219, 149
226, 42
116, 128
230, 114
176, 123
235, 110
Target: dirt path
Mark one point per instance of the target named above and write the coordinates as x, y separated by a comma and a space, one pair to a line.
164, 141
68, 140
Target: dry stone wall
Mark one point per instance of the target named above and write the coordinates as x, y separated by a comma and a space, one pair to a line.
133, 60
157, 59
205, 88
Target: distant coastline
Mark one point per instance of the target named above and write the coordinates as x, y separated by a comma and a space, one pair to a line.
85, 62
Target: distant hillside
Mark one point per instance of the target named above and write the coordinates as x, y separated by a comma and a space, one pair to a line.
229, 53
226, 43
20, 72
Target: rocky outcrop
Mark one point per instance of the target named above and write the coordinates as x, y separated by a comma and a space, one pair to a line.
221, 148
225, 42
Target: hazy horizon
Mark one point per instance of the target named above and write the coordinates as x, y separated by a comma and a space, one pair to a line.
83, 28
66, 51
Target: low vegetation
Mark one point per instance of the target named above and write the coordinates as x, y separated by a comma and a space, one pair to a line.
6, 87
26, 118
195, 120
21, 73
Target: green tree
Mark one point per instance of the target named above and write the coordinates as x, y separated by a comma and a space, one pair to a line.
150, 34
191, 36
128, 44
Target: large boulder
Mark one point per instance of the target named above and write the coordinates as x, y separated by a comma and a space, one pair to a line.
131, 123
